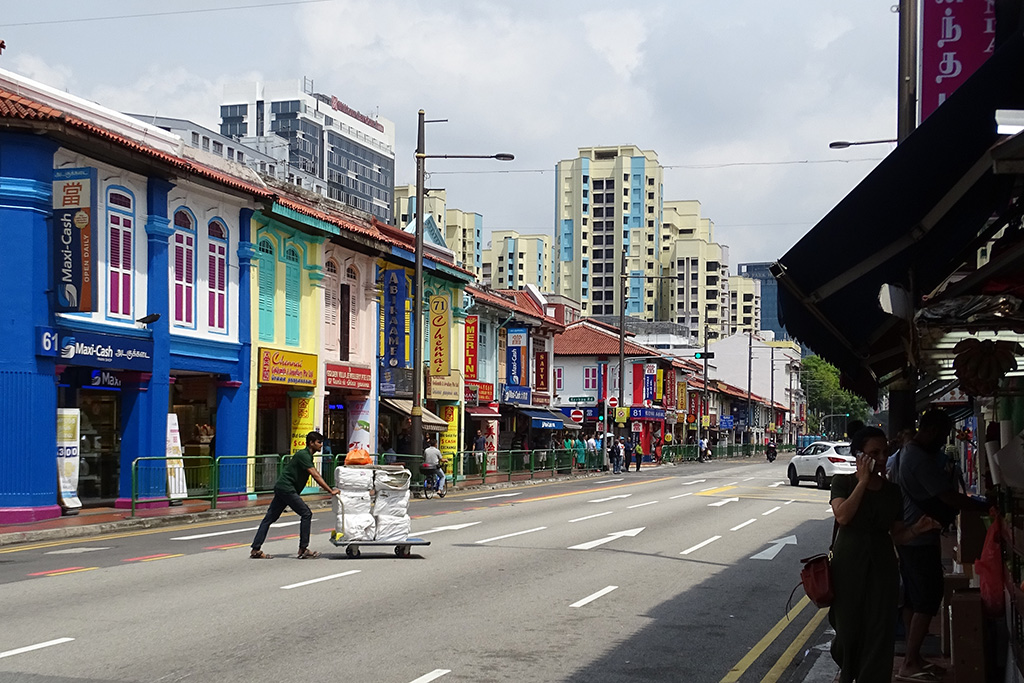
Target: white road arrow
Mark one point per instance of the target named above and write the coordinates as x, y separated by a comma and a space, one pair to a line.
610, 537
497, 495
453, 527
778, 483
723, 502
605, 500
773, 550
695, 481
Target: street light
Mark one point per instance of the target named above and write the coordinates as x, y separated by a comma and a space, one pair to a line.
843, 144
417, 302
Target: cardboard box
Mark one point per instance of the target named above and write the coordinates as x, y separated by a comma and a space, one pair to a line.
970, 536
952, 582
966, 627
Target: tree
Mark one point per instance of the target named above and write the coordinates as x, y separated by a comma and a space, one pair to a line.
820, 382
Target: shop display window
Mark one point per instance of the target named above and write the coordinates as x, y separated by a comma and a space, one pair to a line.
100, 451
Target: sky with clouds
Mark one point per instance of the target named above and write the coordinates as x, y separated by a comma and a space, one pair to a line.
739, 99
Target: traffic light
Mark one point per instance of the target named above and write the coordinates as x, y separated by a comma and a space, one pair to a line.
704, 355
600, 418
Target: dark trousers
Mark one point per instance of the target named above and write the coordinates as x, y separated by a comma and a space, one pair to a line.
638, 457
283, 499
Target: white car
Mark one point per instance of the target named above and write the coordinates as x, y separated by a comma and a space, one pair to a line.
820, 461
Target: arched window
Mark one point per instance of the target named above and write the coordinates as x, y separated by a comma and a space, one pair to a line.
292, 296
216, 282
268, 271
183, 254
120, 255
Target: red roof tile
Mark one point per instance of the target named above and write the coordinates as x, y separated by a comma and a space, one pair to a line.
18, 107
583, 339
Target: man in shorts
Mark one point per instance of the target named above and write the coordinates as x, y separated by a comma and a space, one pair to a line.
923, 474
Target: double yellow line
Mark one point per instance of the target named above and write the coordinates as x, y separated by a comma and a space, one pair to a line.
787, 657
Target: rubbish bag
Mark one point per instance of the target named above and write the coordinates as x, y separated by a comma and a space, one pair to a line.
989, 568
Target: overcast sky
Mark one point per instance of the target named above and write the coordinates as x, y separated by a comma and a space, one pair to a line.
739, 98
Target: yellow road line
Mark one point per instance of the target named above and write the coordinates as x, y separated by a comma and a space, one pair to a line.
712, 492
741, 666
584, 492
786, 659
70, 571
161, 557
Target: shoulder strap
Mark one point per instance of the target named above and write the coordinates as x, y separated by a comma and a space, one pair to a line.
835, 532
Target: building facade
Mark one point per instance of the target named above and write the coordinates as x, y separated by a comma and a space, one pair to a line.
769, 296
744, 305
513, 261
463, 233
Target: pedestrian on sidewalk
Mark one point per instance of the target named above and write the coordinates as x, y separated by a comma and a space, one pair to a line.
868, 512
286, 494
927, 479
638, 454
616, 455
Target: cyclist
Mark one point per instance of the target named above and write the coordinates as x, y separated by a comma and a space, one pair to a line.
432, 458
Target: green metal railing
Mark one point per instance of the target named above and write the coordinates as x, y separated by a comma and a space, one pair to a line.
198, 473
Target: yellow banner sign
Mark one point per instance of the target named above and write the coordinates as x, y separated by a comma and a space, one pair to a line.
441, 388
440, 336
287, 367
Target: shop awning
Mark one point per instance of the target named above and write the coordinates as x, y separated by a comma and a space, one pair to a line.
543, 419
911, 222
431, 422
483, 411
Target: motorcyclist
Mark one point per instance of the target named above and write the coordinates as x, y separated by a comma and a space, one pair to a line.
770, 451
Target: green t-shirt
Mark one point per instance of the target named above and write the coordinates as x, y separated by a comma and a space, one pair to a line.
296, 472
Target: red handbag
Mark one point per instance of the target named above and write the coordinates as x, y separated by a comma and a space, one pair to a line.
816, 577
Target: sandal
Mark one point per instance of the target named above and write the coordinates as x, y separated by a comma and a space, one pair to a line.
307, 554
259, 555
919, 677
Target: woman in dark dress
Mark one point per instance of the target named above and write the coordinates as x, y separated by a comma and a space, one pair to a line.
865, 571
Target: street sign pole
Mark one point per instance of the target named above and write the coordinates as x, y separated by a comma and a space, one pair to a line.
604, 437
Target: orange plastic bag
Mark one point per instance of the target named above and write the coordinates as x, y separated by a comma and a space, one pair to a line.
358, 456
989, 568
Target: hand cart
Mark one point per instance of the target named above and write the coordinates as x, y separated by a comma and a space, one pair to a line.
403, 548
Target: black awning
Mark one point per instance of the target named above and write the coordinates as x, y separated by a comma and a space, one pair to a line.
906, 223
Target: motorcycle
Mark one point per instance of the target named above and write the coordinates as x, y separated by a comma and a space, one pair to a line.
770, 452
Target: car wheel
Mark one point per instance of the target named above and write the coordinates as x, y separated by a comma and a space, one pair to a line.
821, 479
793, 479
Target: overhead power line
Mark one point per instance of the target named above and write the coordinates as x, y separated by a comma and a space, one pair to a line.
727, 164
204, 10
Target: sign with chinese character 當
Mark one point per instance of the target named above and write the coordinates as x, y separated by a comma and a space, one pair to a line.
956, 38
472, 340
74, 216
394, 318
540, 360
440, 336
516, 370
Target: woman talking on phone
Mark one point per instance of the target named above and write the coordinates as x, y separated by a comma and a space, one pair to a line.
869, 513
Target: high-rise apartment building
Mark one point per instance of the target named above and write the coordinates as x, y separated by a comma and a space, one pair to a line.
769, 296
699, 295
318, 134
512, 261
435, 201
744, 304
463, 233
608, 201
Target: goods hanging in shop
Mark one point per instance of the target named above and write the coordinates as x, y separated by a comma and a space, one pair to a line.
979, 365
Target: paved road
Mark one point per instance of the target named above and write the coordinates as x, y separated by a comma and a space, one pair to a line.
673, 574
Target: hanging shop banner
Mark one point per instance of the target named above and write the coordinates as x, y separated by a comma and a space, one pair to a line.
394, 318
540, 360
803, 412
659, 378
502, 350
681, 395
74, 216
302, 421
448, 443
176, 486
360, 416
440, 336
288, 367
622, 414
345, 376
491, 428
516, 371
515, 395
472, 339
956, 38
68, 463
484, 391
693, 403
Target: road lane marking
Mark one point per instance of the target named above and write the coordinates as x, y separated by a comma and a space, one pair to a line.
732, 483
773, 550
62, 572
640, 505
695, 481
788, 502
715, 489
229, 546
589, 545
73, 551
681, 495
776, 484
710, 488
749, 479
595, 596
723, 502
433, 675
740, 526
322, 578
777, 507
452, 527
775, 673
518, 533
150, 558
741, 666
231, 531
496, 495
605, 500
700, 545
38, 646
608, 481
599, 514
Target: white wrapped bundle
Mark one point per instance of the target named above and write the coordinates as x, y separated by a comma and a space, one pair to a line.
356, 527
385, 480
393, 503
353, 502
353, 478
392, 528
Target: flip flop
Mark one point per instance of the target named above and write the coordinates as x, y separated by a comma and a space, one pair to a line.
939, 671
919, 677
260, 555
308, 554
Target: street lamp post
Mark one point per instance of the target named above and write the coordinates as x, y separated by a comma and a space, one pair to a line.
417, 302
843, 144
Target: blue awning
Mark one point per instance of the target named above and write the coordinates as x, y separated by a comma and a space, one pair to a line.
543, 419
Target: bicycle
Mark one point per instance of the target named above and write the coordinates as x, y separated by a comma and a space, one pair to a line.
432, 482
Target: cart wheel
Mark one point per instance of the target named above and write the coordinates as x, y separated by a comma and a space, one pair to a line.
402, 550
352, 551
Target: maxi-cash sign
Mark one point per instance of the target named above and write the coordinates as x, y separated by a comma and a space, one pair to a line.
94, 350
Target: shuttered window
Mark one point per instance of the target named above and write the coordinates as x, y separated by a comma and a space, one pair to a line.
292, 296
266, 289
120, 239
216, 282
183, 253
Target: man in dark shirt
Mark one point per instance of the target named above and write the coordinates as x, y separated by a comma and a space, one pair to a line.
286, 494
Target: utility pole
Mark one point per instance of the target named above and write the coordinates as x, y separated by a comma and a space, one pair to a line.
772, 396
704, 401
750, 364
624, 295
906, 113
417, 301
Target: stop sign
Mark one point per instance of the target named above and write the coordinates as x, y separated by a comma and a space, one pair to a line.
612, 402
576, 415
